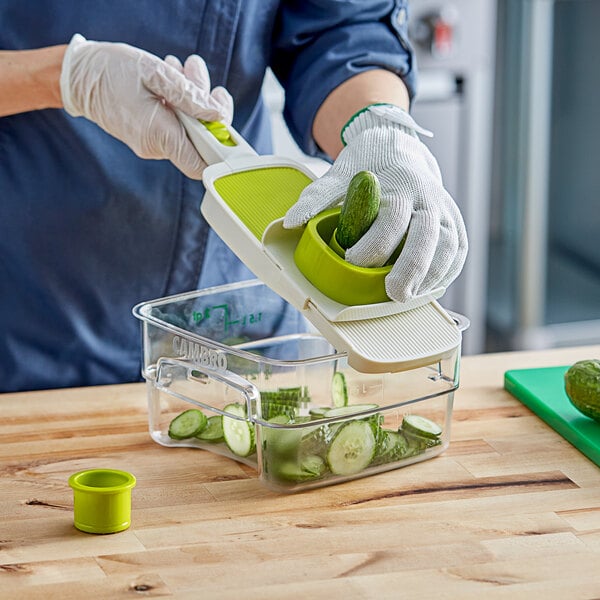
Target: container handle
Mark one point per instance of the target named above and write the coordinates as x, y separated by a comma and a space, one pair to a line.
171, 371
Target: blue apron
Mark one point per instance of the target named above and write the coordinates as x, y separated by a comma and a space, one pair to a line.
87, 229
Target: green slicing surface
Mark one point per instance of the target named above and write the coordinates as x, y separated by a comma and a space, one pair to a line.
259, 196
543, 391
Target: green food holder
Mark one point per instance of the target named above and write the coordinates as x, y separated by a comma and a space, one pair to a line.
327, 270
102, 500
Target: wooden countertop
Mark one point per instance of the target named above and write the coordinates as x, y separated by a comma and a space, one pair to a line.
510, 510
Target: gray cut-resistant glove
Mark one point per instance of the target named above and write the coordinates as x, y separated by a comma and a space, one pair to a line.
130, 93
383, 139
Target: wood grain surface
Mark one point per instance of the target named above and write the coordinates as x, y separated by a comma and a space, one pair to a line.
510, 510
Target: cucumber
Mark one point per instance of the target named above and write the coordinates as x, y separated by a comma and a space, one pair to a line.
282, 452
339, 390
284, 401
359, 209
392, 446
401, 446
421, 426
387, 443
213, 432
310, 467
421, 433
187, 424
313, 464
417, 444
316, 441
281, 443
582, 385
318, 412
346, 411
352, 449
238, 434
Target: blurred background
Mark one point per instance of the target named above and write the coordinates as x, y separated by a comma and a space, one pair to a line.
511, 90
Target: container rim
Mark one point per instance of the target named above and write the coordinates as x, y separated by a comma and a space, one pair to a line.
141, 312
80, 481
142, 309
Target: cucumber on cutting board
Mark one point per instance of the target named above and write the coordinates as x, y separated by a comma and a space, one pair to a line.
359, 209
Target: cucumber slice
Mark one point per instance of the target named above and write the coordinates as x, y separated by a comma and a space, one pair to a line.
311, 467
313, 464
213, 432
417, 444
187, 424
315, 441
280, 420
352, 448
391, 447
318, 412
239, 435
401, 446
283, 401
300, 392
421, 426
280, 443
386, 443
346, 411
339, 390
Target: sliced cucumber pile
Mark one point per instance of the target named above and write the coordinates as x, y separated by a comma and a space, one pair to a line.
300, 448
284, 401
344, 447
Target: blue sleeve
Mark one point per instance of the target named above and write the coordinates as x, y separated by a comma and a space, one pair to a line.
318, 44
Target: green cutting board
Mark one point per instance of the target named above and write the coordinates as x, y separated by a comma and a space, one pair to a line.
543, 391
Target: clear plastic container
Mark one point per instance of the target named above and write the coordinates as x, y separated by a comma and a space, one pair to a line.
288, 404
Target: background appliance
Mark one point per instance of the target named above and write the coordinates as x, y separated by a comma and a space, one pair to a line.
544, 284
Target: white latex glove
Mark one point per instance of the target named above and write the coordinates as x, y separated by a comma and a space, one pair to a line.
383, 139
130, 93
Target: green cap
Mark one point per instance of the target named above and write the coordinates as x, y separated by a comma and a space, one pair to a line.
102, 500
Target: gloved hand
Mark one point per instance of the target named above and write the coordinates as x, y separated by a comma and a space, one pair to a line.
383, 139
130, 93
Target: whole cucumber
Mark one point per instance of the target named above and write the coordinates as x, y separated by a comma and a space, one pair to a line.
359, 209
582, 384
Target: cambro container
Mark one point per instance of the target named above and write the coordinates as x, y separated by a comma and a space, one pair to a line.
237, 371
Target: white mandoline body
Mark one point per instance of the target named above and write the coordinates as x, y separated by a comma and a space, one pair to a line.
377, 338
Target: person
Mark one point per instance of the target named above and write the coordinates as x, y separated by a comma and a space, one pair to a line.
89, 226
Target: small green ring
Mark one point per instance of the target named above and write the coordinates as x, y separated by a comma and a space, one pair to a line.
330, 273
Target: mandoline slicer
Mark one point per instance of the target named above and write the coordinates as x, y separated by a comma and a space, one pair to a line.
246, 198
